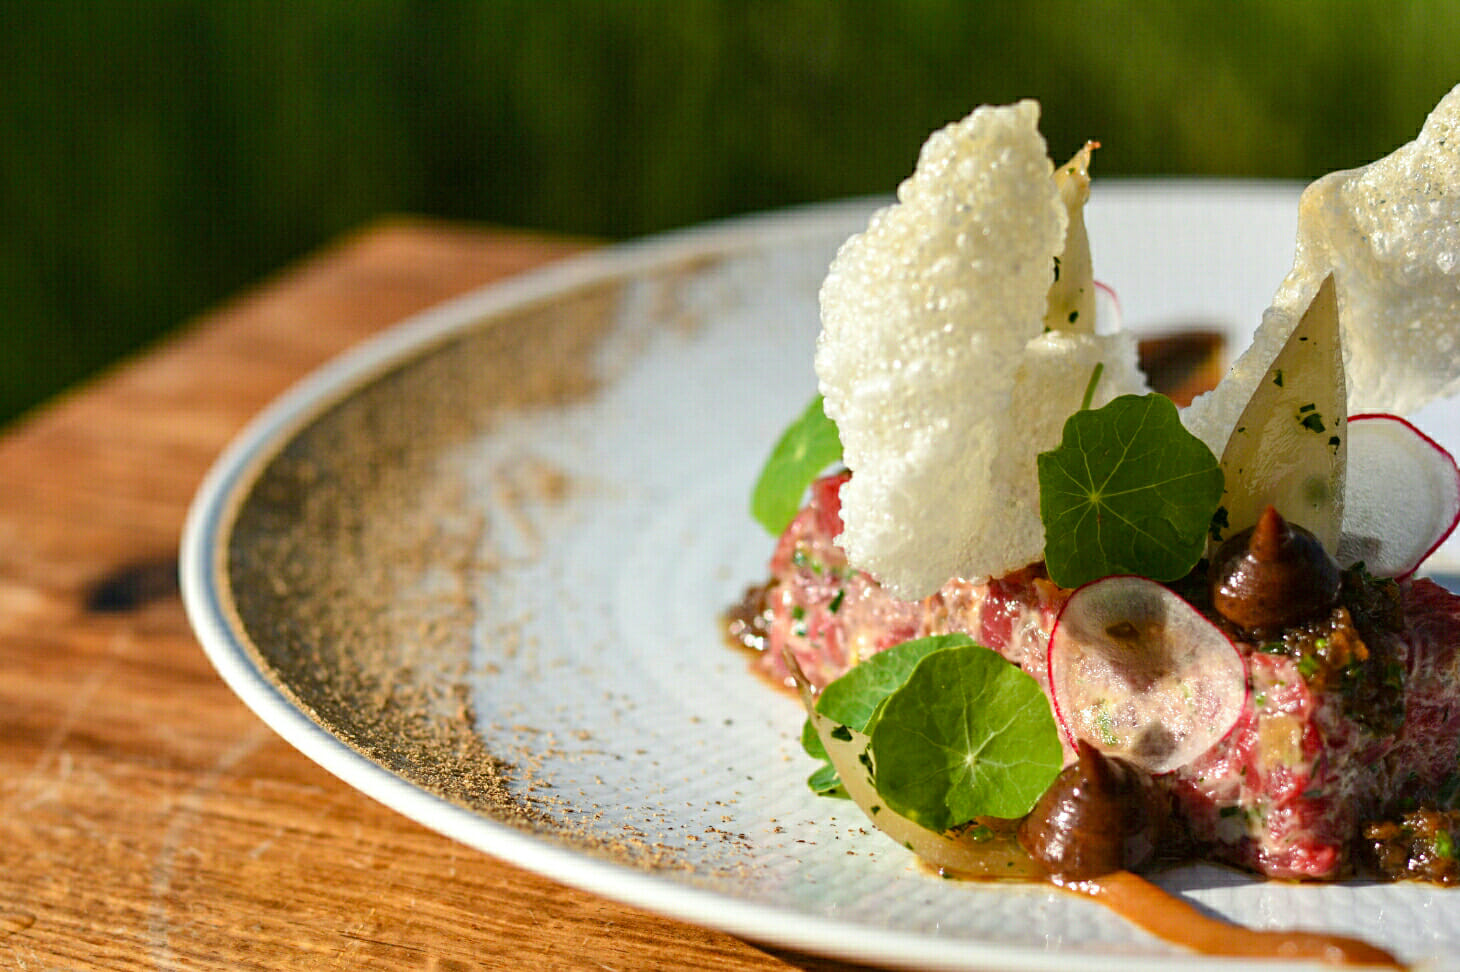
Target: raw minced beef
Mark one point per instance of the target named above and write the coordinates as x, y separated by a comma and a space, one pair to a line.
1353, 721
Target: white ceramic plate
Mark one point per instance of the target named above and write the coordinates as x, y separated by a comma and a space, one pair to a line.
474, 568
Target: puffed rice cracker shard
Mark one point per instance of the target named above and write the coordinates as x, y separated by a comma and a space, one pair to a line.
935, 365
1390, 234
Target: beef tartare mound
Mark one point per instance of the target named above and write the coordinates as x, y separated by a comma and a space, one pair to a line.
1350, 722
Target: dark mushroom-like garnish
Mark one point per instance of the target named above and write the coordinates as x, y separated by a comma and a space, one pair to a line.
1272, 576
1101, 814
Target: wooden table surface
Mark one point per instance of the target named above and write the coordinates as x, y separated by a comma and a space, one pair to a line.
148, 820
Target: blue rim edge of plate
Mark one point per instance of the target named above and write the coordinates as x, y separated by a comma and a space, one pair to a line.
202, 558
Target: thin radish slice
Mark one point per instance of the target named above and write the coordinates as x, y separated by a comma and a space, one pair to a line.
1141, 674
1402, 497
1108, 315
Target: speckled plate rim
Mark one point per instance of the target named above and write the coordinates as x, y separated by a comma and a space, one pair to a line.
203, 576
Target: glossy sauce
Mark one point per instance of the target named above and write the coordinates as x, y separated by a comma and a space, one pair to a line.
1166, 916
1143, 904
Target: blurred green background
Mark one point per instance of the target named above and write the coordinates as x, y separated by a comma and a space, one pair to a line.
158, 155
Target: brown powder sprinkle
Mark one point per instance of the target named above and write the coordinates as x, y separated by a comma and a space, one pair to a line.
338, 524
331, 539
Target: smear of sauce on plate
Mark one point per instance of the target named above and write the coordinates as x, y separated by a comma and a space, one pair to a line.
1145, 905
1149, 907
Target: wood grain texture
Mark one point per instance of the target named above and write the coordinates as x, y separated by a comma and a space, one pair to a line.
148, 820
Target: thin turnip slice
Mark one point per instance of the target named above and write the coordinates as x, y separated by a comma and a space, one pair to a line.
1402, 498
1288, 447
1142, 675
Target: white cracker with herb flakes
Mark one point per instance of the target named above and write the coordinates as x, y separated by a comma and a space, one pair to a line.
1389, 232
935, 363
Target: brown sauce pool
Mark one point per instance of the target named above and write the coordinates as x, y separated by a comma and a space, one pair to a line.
1146, 906
1171, 919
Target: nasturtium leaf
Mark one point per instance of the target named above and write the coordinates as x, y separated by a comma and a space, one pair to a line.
963, 850
804, 450
852, 699
811, 742
825, 782
967, 735
1128, 491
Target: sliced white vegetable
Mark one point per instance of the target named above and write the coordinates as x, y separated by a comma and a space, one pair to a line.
999, 856
1402, 498
1288, 447
1071, 301
1142, 675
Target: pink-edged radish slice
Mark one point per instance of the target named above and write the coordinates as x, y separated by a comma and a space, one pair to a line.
1401, 498
1141, 674
1108, 313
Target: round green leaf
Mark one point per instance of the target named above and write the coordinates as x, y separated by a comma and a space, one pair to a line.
1128, 491
852, 699
967, 735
